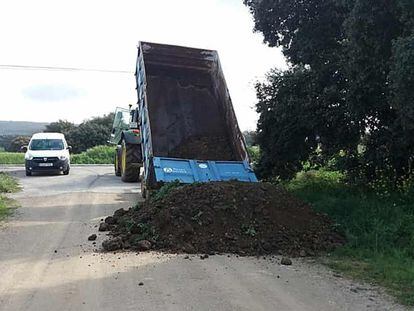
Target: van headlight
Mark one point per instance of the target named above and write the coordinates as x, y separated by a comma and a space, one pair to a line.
28, 157
63, 158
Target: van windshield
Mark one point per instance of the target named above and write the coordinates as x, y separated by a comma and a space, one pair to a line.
46, 144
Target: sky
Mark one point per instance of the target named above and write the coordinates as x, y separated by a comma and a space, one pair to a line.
104, 35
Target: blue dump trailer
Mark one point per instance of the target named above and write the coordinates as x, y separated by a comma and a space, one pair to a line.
189, 131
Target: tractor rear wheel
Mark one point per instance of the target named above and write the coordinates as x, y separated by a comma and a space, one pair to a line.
130, 162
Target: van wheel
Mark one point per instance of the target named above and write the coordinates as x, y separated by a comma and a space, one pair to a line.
28, 173
66, 172
130, 162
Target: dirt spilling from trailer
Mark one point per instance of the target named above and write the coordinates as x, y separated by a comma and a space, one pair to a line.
223, 217
205, 148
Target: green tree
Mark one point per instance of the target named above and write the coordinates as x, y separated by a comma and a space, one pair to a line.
402, 96
90, 133
349, 83
61, 126
87, 135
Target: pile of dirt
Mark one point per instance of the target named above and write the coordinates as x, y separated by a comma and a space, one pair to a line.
223, 217
204, 148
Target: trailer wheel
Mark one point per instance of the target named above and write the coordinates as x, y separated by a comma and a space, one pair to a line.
143, 189
130, 162
117, 162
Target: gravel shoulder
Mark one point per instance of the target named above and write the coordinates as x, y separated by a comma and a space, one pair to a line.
47, 263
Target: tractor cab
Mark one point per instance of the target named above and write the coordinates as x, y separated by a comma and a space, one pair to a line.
126, 136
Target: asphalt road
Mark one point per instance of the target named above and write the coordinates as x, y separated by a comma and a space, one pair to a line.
47, 263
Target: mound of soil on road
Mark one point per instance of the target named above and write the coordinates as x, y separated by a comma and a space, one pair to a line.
224, 217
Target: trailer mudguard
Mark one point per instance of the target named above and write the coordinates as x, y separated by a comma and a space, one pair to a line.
131, 137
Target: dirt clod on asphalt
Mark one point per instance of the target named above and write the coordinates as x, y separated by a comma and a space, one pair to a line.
111, 220
286, 261
112, 244
103, 226
224, 217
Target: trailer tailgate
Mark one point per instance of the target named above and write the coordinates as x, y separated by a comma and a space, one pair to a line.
189, 171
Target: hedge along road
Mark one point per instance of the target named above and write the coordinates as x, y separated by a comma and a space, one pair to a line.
47, 263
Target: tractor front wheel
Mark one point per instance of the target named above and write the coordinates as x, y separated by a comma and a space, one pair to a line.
130, 162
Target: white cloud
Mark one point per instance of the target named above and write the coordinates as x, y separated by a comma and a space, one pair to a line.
52, 92
104, 34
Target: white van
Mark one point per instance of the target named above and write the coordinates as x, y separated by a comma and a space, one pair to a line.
47, 152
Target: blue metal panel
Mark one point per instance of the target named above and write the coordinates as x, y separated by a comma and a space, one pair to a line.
143, 113
189, 171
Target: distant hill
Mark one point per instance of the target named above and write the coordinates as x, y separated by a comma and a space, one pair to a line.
21, 127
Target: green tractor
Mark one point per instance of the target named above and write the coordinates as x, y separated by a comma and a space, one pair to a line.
127, 138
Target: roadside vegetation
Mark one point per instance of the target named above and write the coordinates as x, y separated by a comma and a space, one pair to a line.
376, 217
378, 224
254, 153
11, 157
7, 185
95, 155
336, 127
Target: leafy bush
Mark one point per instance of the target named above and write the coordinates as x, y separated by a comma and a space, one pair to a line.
95, 155
317, 180
254, 153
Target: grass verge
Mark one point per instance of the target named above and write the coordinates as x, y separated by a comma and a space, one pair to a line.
11, 158
379, 229
7, 185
